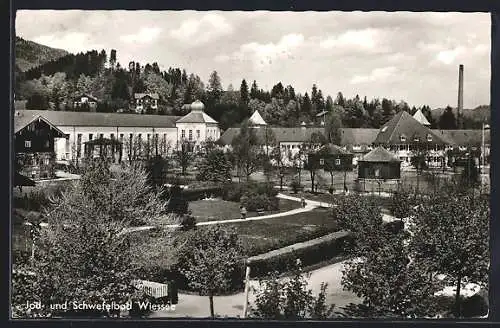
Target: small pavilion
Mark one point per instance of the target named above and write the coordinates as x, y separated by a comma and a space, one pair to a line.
111, 149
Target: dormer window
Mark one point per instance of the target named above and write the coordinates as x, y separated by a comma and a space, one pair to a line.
384, 129
416, 139
402, 138
429, 137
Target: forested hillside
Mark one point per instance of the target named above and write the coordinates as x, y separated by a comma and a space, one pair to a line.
54, 85
30, 54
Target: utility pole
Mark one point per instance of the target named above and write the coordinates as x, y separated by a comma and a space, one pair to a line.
247, 287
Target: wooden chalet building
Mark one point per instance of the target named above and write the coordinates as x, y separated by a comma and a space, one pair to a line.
34, 141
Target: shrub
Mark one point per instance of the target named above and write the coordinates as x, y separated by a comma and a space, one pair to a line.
253, 202
232, 192
177, 204
188, 222
309, 252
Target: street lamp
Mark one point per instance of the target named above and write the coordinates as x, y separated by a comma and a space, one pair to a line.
485, 127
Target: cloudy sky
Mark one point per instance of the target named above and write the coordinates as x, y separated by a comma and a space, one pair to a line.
402, 55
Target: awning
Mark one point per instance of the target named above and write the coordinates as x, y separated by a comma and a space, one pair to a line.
21, 180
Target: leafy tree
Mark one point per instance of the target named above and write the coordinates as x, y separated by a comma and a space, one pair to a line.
451, 232
290, 299
215, 167
254, 90
184, 155
177, 203
112, 59
313, 164
306, 105
244, 96
214, 88
340, 100
332, 128
247, 150
447, 121
208, 259
83, 254
256, 105
383, 270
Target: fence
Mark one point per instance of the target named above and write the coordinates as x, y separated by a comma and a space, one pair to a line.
151, 288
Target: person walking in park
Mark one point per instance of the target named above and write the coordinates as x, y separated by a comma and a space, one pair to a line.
303, 202
243, 212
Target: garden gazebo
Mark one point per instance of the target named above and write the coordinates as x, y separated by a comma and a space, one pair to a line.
104, 148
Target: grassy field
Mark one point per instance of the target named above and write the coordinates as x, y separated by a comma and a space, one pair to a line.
218, 209
261, 236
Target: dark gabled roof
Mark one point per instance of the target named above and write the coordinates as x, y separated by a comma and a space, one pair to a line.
464, 137
380, 154
403, 124
62, 118
357, 136
22, 120
142, 95
332, 149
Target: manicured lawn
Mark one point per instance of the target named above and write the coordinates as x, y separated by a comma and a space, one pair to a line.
218, 209
261, 236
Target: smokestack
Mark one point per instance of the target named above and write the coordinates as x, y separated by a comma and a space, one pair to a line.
460, 93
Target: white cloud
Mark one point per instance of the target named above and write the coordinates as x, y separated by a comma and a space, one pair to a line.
366, 40
144, 35
263, 54
448, 56
376, 74
72, 42
199, 31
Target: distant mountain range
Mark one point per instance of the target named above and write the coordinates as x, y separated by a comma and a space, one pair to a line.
30, 54
480, 113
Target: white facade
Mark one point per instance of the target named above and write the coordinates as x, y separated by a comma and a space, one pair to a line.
73, 147
197, 133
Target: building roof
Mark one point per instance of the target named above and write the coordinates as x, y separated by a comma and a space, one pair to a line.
282, 134
404, 125
22, 120
332, 149
357, 136
256, 119
142, 95
464, 137
63, 118
85, 95
419, 116
196, 117
380, 154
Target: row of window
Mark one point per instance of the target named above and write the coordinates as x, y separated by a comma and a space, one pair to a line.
322, 161
190, 136
416, 139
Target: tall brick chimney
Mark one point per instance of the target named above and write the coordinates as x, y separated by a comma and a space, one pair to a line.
460, 106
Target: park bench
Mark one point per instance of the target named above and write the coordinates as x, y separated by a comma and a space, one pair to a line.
260, 211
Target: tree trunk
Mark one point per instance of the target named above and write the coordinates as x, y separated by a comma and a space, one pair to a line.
458, 304
211, 298
312, 181
281, 182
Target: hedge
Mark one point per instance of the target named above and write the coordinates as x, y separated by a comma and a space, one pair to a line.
309, 252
